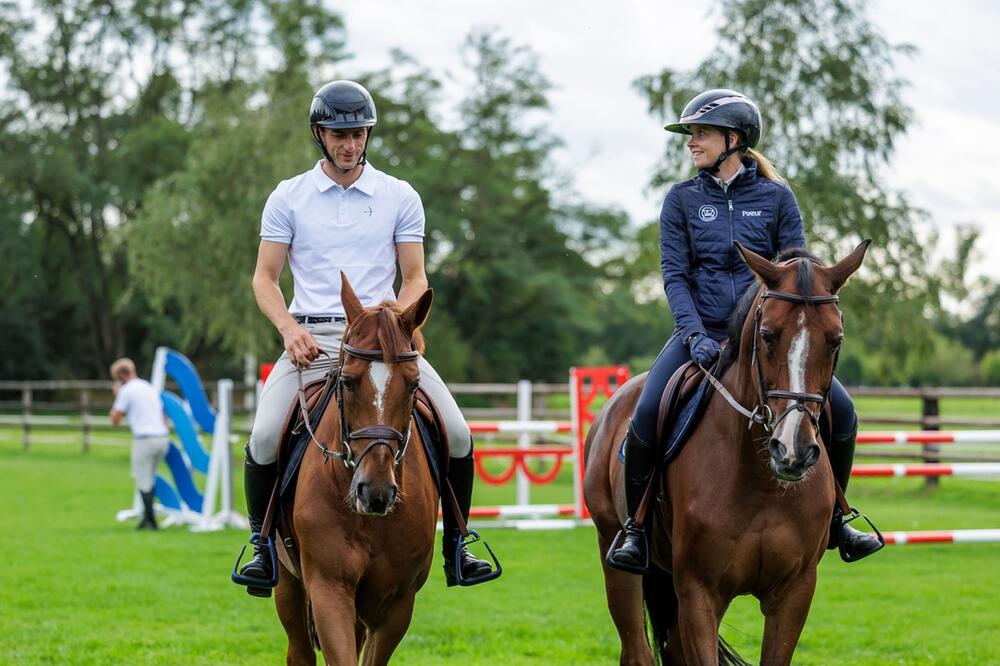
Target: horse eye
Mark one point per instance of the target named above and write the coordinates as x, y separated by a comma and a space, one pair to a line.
350, 383
835, 347
767, 336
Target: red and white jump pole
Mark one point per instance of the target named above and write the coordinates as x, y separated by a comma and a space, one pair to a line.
941, 536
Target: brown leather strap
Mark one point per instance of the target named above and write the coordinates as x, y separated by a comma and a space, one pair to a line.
447, 493
841, 500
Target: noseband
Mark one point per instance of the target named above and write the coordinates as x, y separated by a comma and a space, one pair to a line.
762, 413
380, 433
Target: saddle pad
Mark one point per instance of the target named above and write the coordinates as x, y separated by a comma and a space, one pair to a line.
688, 415
299, 443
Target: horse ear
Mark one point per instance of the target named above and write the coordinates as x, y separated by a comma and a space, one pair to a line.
352, 305
415, 315
766, 271
845, 267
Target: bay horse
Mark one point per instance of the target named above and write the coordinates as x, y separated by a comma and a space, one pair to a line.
745, 507
364, 529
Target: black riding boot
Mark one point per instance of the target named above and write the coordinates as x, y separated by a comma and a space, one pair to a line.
854, 544
632, 553
148, 514
259, 481
460, 474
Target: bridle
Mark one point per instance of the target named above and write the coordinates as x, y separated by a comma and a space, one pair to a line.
762, 414
380, 433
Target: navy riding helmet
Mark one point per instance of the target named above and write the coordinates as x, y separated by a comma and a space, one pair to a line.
727, 110
341, 105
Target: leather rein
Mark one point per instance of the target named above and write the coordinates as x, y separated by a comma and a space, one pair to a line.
762, 414
380, 434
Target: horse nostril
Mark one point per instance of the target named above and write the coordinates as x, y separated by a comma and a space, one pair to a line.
812, 454
361, 488
778, 449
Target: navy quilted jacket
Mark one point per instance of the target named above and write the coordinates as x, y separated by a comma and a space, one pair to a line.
703, 274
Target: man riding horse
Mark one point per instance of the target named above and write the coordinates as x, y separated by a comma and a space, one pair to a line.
346, 216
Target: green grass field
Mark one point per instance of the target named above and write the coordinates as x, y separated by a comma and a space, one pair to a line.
78, 588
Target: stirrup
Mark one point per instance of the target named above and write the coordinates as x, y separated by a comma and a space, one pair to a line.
463, 542
844, 520
629, 526
258, 587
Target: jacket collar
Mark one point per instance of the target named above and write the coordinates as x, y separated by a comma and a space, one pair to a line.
748, 177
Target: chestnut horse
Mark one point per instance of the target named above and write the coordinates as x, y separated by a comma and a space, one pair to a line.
363, 522
745, 507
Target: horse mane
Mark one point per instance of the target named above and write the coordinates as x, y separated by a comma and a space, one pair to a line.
391, 337
805, 261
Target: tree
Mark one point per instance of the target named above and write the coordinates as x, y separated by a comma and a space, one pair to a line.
101, 100
516, 265
823, 78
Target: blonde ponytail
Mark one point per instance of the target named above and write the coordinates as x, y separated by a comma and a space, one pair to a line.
764, 167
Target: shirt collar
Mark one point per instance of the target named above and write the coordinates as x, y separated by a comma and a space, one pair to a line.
724, 184
365, 182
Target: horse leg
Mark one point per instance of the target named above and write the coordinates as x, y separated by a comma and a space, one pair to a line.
624, 592
334, 616
699, 614
785, 609
384, 638
293, 611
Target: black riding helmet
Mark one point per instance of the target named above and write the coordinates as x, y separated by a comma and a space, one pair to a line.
341, 105
727, 110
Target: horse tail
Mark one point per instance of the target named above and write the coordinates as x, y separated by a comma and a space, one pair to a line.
661, 608
728, 656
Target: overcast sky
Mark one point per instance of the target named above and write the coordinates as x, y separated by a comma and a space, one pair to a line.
591, 52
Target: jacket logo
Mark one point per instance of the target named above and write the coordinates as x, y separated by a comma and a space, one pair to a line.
369, 211
708, 213
752, 213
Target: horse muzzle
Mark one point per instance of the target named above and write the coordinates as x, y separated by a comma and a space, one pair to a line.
374, 500
792, 467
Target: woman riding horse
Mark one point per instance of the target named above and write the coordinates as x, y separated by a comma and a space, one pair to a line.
736, 196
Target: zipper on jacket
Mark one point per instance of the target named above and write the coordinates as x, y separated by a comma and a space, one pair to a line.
732, 251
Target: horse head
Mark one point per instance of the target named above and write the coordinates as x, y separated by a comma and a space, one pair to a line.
794, 338
375, 394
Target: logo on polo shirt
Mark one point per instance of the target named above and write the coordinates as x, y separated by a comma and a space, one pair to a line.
708, 213
369, 211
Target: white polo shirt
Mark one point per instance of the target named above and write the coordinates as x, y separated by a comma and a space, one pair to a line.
330, 229
141, 404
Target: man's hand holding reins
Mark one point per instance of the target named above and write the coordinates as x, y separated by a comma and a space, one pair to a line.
300, 345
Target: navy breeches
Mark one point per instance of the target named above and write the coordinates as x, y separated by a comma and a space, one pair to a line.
675, 354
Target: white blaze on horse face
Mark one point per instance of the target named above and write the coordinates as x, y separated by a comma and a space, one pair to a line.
798, 354
380, 375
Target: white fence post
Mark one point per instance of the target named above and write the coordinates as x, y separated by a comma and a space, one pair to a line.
523, 439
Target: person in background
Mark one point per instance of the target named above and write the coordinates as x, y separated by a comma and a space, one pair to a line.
139, 402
